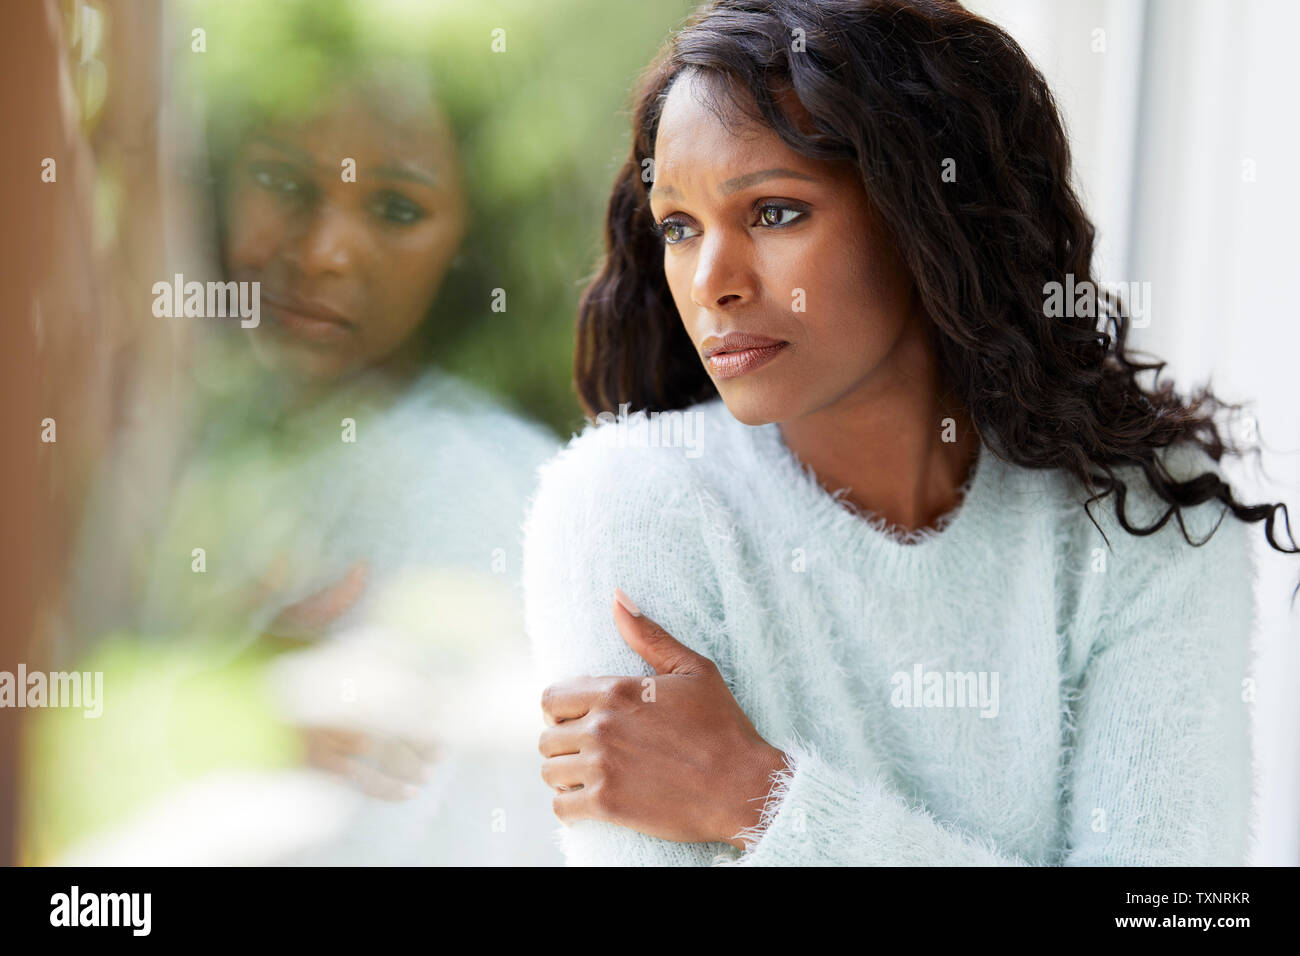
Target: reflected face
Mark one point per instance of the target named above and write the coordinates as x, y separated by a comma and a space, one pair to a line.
781, 270
347, 269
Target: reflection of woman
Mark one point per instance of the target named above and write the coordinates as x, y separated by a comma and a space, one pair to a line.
349, 257
350, 435
347, 272
348, 480
949, 659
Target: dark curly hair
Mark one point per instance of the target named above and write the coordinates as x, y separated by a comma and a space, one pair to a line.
900, 87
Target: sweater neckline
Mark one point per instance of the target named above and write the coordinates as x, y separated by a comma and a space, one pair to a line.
834, 513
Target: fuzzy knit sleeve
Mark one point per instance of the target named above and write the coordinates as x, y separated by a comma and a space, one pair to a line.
1156, 767
607, 516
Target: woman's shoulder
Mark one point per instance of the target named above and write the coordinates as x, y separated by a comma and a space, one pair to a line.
1201, 557
1141, 506
629, 503
635, 473
438, 396
441, 422
644, 449
439, 456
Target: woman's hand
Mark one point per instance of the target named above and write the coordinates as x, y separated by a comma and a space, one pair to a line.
309, 618
385, 767
381, 765
671, 756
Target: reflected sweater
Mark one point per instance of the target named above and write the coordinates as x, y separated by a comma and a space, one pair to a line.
1017, 686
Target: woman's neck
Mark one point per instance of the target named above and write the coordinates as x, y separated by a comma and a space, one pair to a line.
899, 445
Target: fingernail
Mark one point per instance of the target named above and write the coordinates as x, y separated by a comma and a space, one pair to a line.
627, 602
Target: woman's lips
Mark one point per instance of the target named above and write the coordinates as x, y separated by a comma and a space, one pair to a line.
308, 321
739, 352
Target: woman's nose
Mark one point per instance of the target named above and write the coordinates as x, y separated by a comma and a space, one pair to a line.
327, 243
723, 274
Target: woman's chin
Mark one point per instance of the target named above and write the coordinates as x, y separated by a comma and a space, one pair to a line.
281, 355
752, 407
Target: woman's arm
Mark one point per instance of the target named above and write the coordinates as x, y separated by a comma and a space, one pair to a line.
605, 517
672, 756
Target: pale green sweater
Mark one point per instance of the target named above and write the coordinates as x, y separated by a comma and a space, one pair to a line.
1006, 690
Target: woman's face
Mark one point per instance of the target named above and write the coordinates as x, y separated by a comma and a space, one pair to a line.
763, 241
347, 269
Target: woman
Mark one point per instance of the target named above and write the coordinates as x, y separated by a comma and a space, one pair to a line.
916, 598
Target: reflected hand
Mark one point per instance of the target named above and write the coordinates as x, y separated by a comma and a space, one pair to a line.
308, 618
385, 767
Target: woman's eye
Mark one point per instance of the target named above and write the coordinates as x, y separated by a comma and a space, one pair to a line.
280, 180
774, 215
396, 209
672, 231
770, 215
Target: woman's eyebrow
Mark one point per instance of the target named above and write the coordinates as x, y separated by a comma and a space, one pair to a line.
751, 179
410, 174
737, 183
301, 155
389, 170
